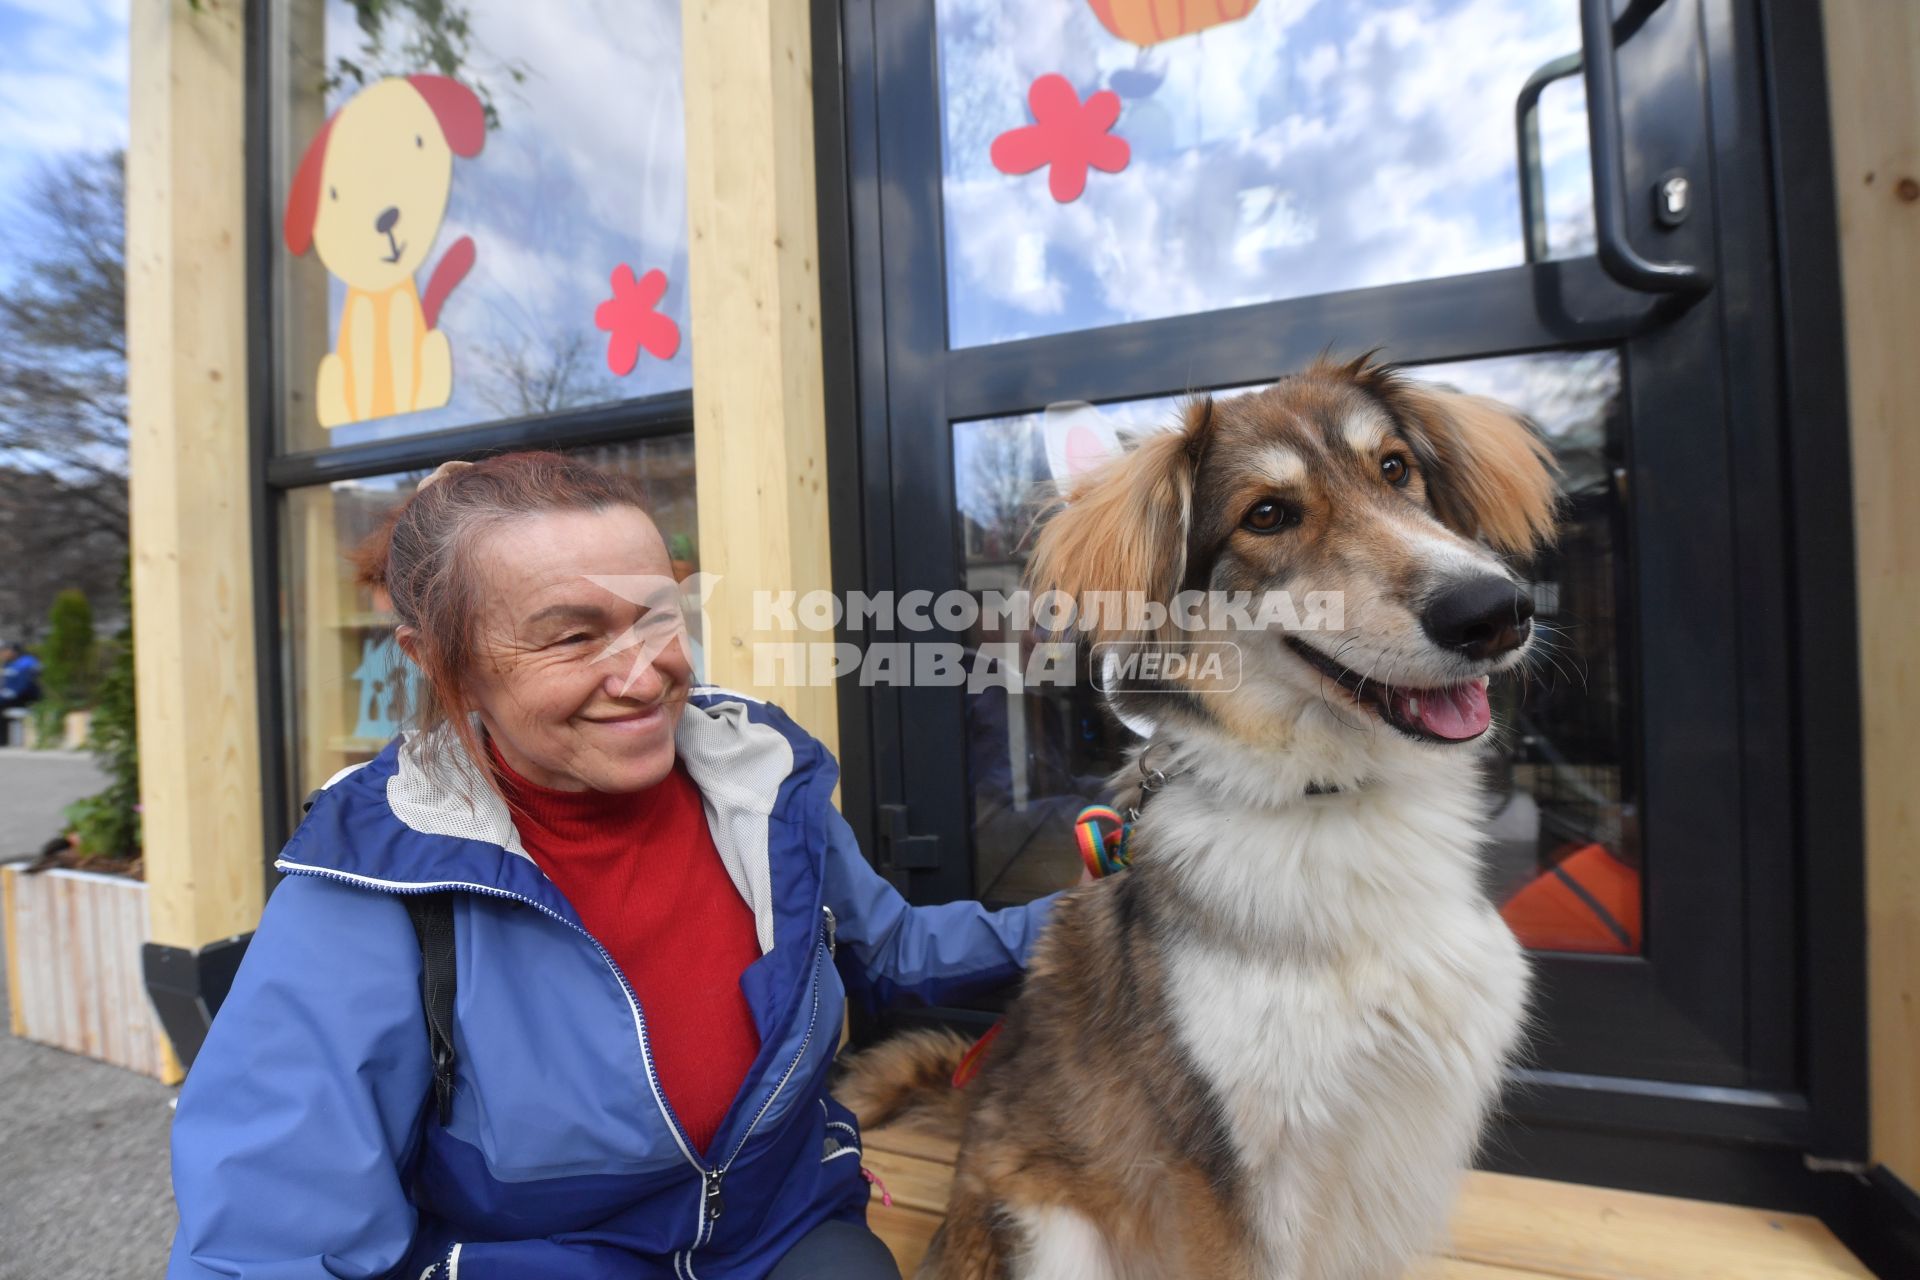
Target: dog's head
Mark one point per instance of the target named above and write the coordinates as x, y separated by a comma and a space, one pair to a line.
372, 187
1379, 514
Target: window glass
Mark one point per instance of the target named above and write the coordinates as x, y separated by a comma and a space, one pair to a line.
1564, 855
480, 212
1243, 151
350, 689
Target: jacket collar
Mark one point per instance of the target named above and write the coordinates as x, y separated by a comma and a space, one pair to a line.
420, 815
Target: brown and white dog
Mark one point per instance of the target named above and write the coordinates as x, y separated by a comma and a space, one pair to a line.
1267, 1051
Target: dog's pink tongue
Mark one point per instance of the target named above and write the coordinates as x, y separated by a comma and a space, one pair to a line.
1458, 712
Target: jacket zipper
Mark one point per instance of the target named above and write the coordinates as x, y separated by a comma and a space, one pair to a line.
711, 1203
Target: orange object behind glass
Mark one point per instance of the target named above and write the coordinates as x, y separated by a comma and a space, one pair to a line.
1589, 901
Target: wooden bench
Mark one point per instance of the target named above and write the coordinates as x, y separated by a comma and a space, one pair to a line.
1506, 1228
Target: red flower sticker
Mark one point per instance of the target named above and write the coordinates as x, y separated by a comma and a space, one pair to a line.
1067, 134
631, 321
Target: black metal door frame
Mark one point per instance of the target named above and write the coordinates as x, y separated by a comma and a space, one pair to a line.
1728, 1110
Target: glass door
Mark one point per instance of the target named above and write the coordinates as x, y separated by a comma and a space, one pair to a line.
1086, 209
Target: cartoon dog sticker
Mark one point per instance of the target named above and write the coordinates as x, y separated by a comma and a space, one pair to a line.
369, 196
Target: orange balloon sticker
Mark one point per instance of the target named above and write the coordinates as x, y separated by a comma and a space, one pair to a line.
1150, 22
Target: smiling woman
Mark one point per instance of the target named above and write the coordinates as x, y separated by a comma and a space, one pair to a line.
355, 684
587, 865
496, 576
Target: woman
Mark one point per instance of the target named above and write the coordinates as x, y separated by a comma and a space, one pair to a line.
654, 905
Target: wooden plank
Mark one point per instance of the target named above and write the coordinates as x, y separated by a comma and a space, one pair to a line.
1873, 78
1594, 1233
9, 905
758, 395
906, 1231
908, 1141
1504, 1228
1455, 1269
188, 445
128, 1042
912, 1182
110, 934
74, 974
58, 951
90, 961
32, 970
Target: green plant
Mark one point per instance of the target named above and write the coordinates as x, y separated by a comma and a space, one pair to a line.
68, 664
108, 824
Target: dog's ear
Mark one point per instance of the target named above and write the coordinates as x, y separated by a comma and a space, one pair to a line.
1489, 475
462, 119
1124, 527
303, 197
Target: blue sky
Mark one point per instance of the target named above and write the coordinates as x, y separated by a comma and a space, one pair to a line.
63, 89
1316, 146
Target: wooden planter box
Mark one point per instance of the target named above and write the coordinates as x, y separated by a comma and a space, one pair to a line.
74, 977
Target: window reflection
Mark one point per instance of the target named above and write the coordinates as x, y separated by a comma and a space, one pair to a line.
1563, 856
580, 170
1305, 148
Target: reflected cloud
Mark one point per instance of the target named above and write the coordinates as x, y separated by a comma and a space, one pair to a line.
586, 170
1314, 146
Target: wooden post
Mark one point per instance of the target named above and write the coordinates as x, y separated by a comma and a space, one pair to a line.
1873, 73
758, 401
187, 325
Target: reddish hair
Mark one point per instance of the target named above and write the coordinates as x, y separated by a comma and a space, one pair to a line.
463, 122
421, 559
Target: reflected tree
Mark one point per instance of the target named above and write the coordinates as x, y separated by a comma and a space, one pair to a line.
63, 390
999, 494
405, 37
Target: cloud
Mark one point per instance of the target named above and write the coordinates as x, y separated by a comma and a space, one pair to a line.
63, 88
585, 172
1310, 148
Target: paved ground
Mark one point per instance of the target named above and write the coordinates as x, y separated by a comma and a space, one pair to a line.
35, 787
83, 1146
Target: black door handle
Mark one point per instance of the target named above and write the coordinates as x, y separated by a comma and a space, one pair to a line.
1617, 255
1600, 32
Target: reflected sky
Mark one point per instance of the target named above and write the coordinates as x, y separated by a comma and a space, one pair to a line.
63, 91
586, 171
1314, 146
1003, 468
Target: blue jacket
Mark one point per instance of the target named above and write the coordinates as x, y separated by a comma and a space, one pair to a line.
305, 1144
20, 679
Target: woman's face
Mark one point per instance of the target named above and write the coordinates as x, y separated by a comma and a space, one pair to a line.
581, 667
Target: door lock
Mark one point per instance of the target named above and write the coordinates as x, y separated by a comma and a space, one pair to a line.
1672, 198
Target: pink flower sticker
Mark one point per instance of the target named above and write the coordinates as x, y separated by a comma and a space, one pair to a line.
1068, 135
631, 322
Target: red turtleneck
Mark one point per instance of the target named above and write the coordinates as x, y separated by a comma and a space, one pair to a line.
641, 870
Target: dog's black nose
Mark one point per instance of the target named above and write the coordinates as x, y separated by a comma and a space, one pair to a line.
1480, 617
388, 216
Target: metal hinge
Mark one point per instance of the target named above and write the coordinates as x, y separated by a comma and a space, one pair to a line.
900, 853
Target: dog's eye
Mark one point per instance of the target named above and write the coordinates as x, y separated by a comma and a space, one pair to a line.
418, 141
333, 193
1396, 470
1269, 515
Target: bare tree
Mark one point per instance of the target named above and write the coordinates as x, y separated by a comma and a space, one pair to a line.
63, 390
1002, 489
534, 375
63, 337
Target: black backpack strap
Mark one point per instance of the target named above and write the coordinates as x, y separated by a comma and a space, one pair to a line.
432, 915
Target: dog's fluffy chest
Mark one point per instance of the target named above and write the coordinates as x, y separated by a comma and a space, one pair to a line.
1354, 1052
